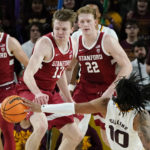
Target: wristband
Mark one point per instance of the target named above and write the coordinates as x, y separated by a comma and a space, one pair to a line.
65, 108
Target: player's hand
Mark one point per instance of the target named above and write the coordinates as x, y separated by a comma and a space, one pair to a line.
41, 98
35, 107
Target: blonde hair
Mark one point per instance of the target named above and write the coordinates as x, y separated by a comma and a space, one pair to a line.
65, 15
87, 10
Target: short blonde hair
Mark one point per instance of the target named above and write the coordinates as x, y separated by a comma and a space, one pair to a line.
65, 15
87, 10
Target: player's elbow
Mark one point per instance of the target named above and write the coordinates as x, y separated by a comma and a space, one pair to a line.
130, 68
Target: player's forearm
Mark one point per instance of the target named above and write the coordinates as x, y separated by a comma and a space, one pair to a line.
85, 108
31, 84
62, 84
68, 108
125, 70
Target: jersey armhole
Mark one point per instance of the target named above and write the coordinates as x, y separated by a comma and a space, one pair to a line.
103, 45
7, 49
53, 51
75, 53
131, 122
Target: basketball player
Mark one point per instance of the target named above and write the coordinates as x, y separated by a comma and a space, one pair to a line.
52, 54
96, 4
9, 48
126, 120
98, 55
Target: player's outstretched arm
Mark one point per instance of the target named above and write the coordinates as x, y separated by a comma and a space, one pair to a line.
143, 129
97, 105
94, 106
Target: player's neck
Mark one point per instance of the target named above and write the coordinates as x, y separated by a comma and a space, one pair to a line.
62, 45
89, 40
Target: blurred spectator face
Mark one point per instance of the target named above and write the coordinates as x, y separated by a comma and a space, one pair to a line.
140, 52
34, 33
142, 5
69, 4
37, 6
102, 1
132, 30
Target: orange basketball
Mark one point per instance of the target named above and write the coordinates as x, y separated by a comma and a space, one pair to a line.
12, 109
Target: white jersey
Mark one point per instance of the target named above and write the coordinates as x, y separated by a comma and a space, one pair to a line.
101, 28
119, 129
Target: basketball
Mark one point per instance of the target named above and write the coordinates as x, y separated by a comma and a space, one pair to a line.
12, 109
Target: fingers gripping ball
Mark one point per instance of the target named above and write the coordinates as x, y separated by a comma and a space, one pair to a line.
12, 109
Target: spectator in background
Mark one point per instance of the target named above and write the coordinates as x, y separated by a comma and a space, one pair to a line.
112, 17
142, 15
140, 50
38, 14
7, 17
69, 4
131, 30
22, 131
35, 33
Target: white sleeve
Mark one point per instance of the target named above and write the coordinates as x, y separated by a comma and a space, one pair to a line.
113, 33
65, 108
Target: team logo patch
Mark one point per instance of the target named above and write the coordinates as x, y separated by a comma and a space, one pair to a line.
98, 46
80, 50
98, 50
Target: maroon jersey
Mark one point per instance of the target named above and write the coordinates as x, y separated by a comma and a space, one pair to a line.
128, 49
97, 68
6, 61
51, 71
144, 24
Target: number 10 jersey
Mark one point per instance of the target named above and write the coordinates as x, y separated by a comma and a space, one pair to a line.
119, 129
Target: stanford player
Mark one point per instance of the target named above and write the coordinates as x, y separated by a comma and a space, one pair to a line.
98, 55
9, 48
52, 54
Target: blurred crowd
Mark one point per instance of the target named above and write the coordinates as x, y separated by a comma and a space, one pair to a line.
27, 20
16, 16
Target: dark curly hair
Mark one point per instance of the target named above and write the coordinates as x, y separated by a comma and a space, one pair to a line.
131, 94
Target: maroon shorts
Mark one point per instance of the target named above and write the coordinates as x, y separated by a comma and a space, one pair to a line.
6, 91
80, 96
54, 120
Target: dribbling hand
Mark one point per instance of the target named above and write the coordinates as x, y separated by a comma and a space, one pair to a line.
35, 107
